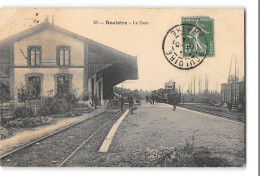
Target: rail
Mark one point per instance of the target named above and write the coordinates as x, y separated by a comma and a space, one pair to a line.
47, 136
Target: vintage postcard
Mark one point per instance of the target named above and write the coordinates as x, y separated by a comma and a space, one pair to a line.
122, 87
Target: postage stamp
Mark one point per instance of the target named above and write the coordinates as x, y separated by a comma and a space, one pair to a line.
206, 26
185, 46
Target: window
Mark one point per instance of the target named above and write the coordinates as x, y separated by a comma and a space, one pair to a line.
34, 55
63, 55
36, 83
63, 84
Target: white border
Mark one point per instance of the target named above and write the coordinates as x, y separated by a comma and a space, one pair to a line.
251, 7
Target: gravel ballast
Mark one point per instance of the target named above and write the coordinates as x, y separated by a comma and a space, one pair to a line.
52, 151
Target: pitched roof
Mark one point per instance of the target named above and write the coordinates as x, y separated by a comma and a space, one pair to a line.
46, 25
111, 55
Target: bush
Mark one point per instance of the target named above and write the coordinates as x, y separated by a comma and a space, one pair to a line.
70, 96
52, 106
188, 155
164, 156
3, 121
3, 133
29, 122
23, 112
180, 157
44, 110
26, 92
17, 123
77, 113
61, 106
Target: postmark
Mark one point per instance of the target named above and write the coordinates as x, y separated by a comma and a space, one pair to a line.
185, 46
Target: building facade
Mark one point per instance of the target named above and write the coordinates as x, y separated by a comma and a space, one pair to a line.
52, 58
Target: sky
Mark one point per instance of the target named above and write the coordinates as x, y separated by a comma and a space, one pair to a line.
145, 40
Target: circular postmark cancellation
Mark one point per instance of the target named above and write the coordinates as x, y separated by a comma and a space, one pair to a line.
185, 46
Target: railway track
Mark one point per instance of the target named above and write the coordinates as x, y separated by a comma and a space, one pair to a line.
44, 137
57, 148
222, 116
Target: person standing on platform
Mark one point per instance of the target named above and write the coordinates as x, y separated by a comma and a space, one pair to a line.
122, 102
152, 98
95, 101
130, 100
174, 100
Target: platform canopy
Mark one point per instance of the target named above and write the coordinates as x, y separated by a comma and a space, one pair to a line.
113, 65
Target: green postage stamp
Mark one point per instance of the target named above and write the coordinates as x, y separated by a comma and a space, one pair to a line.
186, 45
201, 25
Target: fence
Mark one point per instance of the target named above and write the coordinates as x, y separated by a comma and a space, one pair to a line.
7, 109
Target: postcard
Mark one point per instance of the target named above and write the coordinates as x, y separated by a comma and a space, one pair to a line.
121, 87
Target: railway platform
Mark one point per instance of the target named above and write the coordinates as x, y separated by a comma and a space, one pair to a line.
29, 135
157, 126
121, 139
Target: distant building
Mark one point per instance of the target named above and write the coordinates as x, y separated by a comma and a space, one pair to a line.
51, 57
233, 93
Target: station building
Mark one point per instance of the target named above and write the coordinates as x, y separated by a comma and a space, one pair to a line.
51, 57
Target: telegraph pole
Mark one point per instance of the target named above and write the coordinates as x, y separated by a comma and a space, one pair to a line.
191, 86
235, 79
230, 67
206, 84
199, 85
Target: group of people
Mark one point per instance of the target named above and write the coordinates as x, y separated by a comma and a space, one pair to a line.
152, 99
122, 101
171, 99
